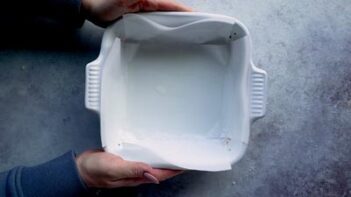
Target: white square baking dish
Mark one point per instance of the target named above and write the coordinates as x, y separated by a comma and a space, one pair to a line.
176, 90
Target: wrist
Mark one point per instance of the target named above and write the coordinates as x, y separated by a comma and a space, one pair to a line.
82, 171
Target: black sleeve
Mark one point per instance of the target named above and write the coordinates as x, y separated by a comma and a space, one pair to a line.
58, 177
65, 13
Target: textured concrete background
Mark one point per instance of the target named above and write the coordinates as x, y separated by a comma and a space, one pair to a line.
301, 148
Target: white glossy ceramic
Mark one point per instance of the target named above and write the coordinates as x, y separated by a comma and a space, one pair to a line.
176, 90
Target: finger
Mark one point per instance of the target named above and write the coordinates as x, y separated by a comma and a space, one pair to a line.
151, 178
130, 169
163, 5
136, 7
130, 2
131, 182
163, 174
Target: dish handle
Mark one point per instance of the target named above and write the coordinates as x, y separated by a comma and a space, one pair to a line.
92, 86
258, 92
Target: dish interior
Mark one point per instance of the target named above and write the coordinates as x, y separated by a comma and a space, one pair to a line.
178, 94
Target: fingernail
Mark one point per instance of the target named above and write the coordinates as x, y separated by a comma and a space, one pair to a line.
151, 178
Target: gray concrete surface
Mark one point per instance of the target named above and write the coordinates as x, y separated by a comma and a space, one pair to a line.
301, 148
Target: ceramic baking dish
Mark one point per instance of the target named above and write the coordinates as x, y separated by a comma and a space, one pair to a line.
176, 90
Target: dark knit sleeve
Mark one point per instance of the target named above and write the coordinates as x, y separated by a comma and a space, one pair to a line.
58, 177
65, 13
3, 183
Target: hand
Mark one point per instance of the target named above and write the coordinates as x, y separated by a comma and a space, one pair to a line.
100, 169
103, 11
